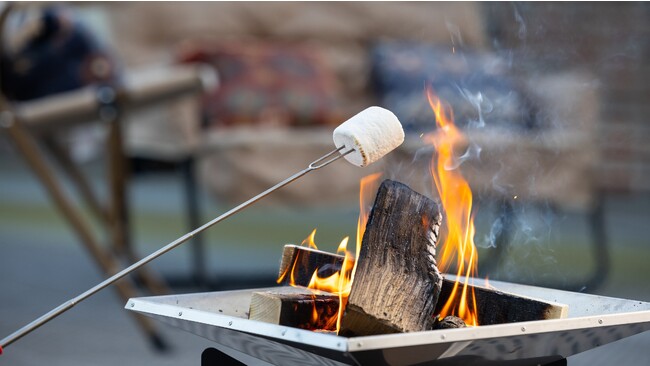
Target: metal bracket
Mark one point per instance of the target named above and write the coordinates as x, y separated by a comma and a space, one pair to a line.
106, 96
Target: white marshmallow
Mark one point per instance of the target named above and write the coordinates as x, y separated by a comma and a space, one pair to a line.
372, 133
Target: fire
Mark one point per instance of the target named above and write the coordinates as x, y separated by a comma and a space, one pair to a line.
367, 188
340, 282
310, 240
457, 248
291, 271
456, 198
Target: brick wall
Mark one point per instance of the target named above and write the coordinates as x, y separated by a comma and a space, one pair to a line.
610, 41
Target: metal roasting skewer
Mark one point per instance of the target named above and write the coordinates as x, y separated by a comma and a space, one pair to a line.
316, 164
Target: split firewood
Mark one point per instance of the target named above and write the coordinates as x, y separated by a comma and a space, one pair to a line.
295, 307
396, 283
497, 307
494, 306
300, 263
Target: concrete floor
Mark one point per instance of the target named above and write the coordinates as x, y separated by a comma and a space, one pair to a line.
42, 265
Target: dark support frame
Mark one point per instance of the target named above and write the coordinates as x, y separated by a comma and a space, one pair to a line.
214, 357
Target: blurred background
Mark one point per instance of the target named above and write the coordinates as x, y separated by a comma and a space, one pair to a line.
127, 125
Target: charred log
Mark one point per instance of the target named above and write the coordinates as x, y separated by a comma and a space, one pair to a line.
497, 307
449, 322
494, 306
295, 307
396, 283
300, 263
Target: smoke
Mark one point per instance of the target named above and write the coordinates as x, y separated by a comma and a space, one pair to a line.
489, 240
473, 152
500, 187
523, 230
479, 103
575, 82
455, 35
507, 108
521, 31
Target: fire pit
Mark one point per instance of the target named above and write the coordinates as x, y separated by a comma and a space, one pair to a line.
392, 295
222, 317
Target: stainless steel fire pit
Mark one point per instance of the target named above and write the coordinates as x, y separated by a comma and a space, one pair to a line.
222, 317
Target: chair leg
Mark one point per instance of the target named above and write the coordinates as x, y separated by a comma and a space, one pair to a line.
78, 179
602, 260
119, 214
107, 263
194, 217
119, 223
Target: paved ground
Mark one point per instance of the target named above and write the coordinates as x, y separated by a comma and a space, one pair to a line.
41, 266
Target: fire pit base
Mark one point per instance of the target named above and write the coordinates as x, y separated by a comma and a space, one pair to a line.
222, 317
214, 357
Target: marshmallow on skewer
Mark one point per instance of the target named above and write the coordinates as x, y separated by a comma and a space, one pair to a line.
372, 133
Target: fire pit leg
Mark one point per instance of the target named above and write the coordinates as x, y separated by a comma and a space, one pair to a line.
562, 362
214, 357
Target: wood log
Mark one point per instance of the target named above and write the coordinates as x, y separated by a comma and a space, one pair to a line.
449, 322
494, 306
309, 260
396, 283
497, 307
300, 263
294, 307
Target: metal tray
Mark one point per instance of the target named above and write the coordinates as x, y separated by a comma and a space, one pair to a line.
222, 317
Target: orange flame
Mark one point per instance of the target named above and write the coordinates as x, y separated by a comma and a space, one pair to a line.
456, 198
367, 189
309, 241
339, 283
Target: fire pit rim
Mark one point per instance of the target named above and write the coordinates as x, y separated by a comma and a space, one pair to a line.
173, 306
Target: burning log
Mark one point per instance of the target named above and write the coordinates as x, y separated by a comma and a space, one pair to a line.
449, 322
300, 263
309, 260
396, 283
496, 307
296, 307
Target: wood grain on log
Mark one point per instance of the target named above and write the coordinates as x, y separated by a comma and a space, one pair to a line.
396, 283
497, 307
